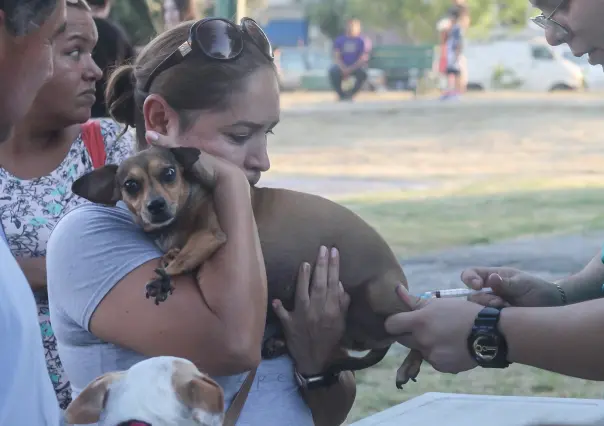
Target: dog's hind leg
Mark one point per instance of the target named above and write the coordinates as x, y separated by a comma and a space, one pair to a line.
384, 300
409, 369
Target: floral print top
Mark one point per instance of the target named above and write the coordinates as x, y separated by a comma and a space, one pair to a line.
29, 209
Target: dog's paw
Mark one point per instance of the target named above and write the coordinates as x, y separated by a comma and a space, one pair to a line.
409, 370
159, 288
169, 256
401, 383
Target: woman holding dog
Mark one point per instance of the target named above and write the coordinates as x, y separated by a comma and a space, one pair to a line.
48, 150
221, 97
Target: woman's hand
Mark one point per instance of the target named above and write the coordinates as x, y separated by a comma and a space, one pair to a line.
210, 169
438, 329
315, 327
511, 287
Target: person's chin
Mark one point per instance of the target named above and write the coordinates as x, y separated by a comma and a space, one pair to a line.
596, 57
253, 180
82, 115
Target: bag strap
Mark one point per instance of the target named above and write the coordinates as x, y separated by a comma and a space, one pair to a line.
94, 142
234, 411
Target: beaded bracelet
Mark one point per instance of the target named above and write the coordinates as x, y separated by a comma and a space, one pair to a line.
562, 294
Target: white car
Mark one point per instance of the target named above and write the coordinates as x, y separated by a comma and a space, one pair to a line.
594, 74
527, 65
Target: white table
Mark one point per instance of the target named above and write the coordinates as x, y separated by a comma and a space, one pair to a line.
444, 409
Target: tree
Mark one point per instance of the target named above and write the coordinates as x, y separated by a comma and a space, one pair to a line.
329, 15
416, 19
135, 17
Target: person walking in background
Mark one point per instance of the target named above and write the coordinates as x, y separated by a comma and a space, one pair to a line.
464, 22
28, 29
454, 44
351, 56
442, 27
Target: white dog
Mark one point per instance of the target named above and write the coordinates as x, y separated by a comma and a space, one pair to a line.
161, 391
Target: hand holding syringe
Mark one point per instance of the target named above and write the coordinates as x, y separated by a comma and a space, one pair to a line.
453, 292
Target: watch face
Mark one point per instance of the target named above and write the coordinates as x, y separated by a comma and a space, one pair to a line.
485, 347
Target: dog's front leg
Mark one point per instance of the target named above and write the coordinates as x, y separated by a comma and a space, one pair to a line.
199, 248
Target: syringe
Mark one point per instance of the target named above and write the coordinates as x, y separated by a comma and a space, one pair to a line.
453, 292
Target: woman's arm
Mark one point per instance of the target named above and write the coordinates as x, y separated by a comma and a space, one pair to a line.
313, 331
99, 262
330, 406
566, 340
587, 284
34, 269
233, 281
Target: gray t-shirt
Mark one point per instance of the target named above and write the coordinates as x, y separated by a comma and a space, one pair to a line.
26, 393
89, 251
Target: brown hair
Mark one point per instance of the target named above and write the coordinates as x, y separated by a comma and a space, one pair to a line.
196, 84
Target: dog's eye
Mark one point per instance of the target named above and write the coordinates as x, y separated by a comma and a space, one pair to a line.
168, 174
131, 187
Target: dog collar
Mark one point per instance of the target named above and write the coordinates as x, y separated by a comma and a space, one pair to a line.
134, 423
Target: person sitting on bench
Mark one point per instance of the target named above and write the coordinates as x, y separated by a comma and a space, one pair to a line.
351, 55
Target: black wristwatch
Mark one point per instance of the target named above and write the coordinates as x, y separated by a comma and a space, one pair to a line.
317, 381
486, 343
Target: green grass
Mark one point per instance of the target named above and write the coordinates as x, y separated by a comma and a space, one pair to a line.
416, 223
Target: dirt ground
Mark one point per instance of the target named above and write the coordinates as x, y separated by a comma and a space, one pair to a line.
431, 145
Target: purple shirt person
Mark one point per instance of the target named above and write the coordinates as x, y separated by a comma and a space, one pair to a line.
351, 54
351, 49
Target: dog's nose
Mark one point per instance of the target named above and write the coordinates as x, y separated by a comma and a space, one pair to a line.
156, 206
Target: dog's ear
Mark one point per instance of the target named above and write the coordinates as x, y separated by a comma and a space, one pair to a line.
195, 165
196, 390
186, 156
99, 186
87, 407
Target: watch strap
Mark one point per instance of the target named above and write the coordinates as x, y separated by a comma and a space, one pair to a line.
317, 381
486, 337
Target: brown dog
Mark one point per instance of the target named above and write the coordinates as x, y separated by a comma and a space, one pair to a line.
169, 194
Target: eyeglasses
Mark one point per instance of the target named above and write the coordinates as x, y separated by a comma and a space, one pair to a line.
559, 31
218, 39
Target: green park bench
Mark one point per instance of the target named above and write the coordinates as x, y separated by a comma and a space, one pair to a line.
400, 63
404, 63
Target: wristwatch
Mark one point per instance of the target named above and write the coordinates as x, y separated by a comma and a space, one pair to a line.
486, 344
317, 381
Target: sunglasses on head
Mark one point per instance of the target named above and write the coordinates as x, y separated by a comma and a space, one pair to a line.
560, 32
218, 39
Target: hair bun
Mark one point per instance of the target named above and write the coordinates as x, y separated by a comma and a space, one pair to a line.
119, 95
